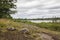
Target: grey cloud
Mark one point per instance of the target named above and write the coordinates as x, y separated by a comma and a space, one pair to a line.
26, 0
56, 7
39, 8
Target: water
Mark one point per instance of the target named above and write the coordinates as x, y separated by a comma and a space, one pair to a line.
39, 21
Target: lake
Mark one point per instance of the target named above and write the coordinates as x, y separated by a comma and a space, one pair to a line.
39, 21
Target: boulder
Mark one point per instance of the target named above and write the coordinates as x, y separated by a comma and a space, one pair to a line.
11, 28
24, 31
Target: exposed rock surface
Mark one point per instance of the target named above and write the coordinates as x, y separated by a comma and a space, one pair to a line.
24, 31
46, 37
11, 29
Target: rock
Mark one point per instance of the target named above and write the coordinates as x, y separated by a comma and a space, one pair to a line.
11, 29
24, 31
46, 37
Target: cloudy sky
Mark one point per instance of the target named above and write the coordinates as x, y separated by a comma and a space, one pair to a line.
37, 8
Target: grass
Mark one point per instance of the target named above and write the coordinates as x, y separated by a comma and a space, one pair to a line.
49, 25
34, 29
8, 23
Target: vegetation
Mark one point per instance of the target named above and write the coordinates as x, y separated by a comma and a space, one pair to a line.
55, 26
53, 18
5, 8
11, 29
17, 29
18, 34
51, 26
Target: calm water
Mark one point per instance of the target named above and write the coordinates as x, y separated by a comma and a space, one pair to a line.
39, 21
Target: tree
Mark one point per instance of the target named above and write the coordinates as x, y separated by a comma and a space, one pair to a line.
5, 8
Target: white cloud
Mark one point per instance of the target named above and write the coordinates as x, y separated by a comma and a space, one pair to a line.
37, 8
28, 4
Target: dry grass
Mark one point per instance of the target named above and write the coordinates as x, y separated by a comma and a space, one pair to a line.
33, 30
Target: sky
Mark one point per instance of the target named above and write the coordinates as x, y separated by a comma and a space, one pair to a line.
37, 9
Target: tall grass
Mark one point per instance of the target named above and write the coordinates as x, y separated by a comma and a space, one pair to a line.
55, 26
34, 29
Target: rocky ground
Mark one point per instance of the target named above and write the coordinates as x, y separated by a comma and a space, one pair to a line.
10, 30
